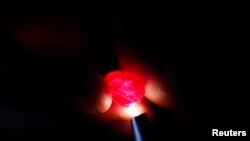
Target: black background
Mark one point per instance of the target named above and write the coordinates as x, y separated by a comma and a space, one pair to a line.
201, 44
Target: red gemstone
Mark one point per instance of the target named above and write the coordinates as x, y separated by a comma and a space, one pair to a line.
126, 88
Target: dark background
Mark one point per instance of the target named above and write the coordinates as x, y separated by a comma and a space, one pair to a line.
200, 47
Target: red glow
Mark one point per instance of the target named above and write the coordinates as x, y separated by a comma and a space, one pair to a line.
126, 88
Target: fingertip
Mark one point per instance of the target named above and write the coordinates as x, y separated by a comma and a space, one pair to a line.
97, 101
103, 103
102, 100
159, 95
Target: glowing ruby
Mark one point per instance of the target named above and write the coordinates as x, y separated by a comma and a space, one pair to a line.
126, 88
